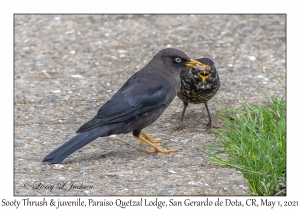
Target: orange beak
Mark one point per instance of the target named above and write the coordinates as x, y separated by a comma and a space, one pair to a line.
193, 63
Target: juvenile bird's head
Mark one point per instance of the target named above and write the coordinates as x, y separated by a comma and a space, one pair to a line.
205, 71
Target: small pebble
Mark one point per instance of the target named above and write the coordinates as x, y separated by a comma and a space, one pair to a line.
58, 166
69, 32
51, 97
164, 192
56, 91
77, 76
19, 144
122, 51
242, 186
193, 183
252, 58
171, 171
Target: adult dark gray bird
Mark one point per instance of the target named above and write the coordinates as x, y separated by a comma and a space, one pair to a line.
198, 85
137, 104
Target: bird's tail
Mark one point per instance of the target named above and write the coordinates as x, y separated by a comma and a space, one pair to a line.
75, 143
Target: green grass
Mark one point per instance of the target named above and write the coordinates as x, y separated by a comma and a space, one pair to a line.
255, 141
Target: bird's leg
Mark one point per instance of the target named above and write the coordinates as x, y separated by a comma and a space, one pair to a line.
209, 125
181, 125
156, 148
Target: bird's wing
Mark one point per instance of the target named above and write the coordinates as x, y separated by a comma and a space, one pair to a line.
133, 99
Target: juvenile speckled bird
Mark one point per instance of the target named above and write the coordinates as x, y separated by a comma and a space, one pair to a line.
136, 105
199, 84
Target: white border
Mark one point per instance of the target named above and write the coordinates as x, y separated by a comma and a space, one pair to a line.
154, 6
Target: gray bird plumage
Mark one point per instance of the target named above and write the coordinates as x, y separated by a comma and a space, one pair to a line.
136, 105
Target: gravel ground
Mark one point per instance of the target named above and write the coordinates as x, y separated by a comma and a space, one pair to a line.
67, 66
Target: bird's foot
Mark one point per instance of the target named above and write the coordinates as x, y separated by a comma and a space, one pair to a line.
150, 138
144, 140
209, 127
164, 151
180, 127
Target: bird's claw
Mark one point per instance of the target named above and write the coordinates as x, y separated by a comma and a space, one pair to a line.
164, 151
209, 127
154, 140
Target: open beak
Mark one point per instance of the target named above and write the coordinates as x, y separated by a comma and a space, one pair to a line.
203, 74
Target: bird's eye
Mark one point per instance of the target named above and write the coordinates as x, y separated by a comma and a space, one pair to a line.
178, 60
